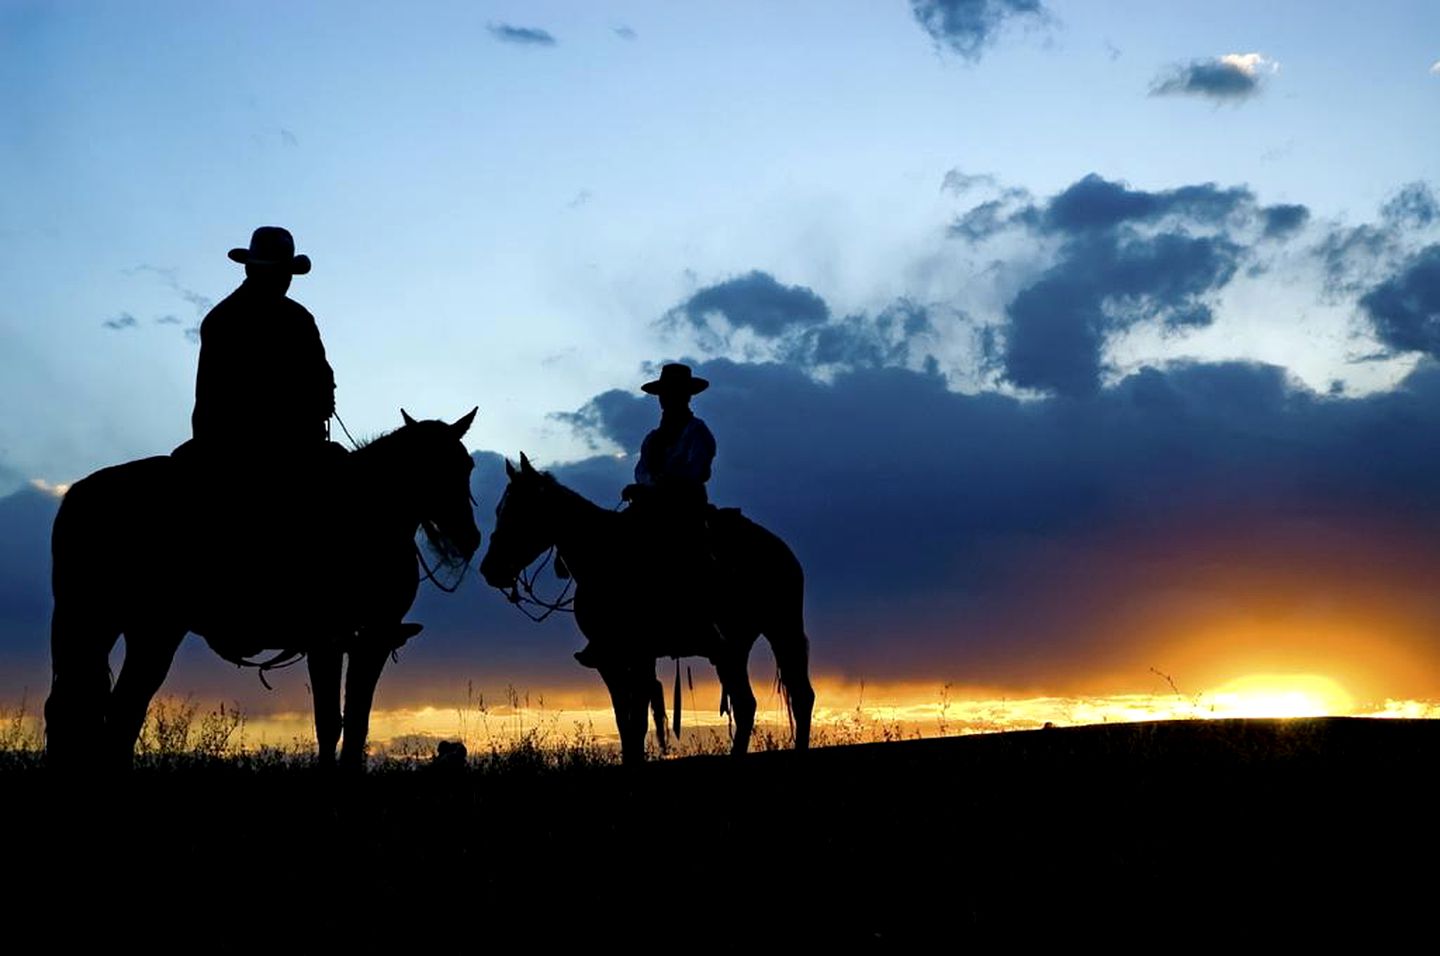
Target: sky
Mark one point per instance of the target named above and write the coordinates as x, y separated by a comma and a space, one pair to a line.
1065, 343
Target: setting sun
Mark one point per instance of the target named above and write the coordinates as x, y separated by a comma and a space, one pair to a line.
1279, 695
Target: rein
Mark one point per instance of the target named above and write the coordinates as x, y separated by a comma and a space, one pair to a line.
564, 603
429, 574
280, 660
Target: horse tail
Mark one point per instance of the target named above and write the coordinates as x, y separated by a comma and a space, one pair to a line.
788, 640
657, 709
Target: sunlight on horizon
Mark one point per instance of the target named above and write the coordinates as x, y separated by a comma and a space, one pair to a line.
845, 713
1281, 695
884, 712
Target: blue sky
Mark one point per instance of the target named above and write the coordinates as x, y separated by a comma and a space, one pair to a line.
509, 223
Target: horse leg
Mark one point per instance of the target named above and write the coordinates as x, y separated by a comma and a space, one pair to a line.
657, 708
619, 681
80, 685
734, 674
367, 660
641, 696
324, 663
148, 655
792, 654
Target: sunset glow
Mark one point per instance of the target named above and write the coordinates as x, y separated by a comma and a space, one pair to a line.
1280, 695
852, 713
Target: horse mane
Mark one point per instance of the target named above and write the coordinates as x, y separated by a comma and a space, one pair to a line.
363, 443
565, 489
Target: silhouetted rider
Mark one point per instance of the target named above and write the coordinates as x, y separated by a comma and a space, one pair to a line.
669, 506
263, 376
675, 458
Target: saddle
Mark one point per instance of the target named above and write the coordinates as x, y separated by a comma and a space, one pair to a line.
258, 532
692, 579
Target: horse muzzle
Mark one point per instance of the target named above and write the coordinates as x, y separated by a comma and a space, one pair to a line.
496, 576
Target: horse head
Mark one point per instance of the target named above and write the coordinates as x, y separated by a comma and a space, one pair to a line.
524, 528
441, 466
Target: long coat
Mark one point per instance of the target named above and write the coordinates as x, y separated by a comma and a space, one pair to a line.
263, 375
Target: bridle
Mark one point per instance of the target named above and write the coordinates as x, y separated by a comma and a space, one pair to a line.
526, 582
564, 603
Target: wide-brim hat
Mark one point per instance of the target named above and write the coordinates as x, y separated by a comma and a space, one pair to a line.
676, 378
272, 246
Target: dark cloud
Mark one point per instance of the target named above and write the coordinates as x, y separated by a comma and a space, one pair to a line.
1058, 326
1355, 258
1126, 256
625, 33
899, 335
581, 198
1404, 310
525, 36
1350, 255
1095, 203
1284, 220
981, 222
937, 527
1225, 79
122, 321
168, 320
753, 301
25, 519
1012, 209
612, 416
797, 327
288, 138
1412, 207
966, 27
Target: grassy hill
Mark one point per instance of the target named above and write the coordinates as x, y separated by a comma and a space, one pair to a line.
1158, 835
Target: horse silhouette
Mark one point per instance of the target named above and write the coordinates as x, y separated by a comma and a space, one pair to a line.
143, 550
618, 603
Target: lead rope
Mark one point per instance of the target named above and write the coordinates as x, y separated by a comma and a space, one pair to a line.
677, 698
354, 445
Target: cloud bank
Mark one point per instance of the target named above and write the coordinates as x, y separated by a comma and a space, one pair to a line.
967, 27
1226, 79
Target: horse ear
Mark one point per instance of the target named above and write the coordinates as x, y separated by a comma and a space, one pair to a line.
525, 465
463, 425
406, 415
509, 469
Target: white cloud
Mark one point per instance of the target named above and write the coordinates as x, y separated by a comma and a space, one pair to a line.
56, 490
1250, 63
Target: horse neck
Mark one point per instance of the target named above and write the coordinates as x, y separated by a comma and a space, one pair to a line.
582, 532
382, 488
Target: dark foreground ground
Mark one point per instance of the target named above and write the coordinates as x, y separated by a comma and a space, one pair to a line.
1159, 836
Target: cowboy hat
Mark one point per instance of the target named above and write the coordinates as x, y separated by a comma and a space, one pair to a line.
272, 246
676, 378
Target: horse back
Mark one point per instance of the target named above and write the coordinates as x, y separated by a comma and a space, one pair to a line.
749, 546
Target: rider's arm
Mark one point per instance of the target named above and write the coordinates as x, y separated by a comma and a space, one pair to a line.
697, 451
644, 467
322, 376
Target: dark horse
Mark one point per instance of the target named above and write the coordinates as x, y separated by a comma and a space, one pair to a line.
618, 604
147, 550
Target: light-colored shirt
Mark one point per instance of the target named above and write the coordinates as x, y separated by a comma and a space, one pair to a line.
685, 461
